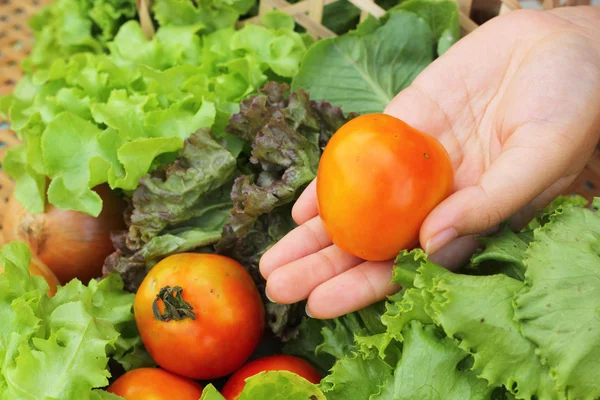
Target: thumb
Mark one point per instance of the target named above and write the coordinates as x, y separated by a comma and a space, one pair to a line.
518, 176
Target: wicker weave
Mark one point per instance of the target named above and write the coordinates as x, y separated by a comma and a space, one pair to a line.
16, 40
15, 43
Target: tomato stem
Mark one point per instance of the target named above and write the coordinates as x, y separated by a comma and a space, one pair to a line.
176, 308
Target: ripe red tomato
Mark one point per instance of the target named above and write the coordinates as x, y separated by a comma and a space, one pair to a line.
378, 179
234, 386
214, 319
155, 384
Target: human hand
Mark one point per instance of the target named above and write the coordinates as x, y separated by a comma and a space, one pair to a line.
517, 106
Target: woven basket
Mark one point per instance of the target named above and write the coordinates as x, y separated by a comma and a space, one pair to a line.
16, 40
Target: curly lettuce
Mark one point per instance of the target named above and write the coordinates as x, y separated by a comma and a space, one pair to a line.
59, 347
91, 117
518, 323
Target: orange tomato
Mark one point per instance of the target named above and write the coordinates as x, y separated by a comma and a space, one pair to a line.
234, 386
378, 179
38, 268
155, 384
215, 317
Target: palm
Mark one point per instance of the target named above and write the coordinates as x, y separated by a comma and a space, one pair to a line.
511, 116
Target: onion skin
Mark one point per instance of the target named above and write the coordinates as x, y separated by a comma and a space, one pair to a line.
38, 268
72, 244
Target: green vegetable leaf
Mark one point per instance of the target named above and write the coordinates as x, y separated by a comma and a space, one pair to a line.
211, 393
58, 348
304, 345
18, 306
214, 14
442, 18
68, 143
504, 252
430, 368
103, 395
363, 73
272, 385
15, 280
69, 363
478, 310
180, 119
68, 27
557, 311
30, 186
280, 385
356, 377
87, 117
123, 113
281, 49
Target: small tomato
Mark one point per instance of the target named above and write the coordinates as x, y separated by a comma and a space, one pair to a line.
199, 315
155, 384
234, 386
378, 179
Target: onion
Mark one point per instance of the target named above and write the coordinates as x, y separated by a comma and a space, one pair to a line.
38, 268
72, 244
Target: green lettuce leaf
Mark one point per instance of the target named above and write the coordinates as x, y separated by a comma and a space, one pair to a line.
306, 341
58, 348
211, 393
478, 310
68, 27
92, 117
356, 377
363, 73
280, 385
103, 395
504, 252
431, 368
484, 333
214, 14
272, 385
442, 18
66, 365
30, 185
364, 70
557, 310
323, 341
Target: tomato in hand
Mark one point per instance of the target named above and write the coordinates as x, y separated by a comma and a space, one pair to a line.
234, 386
378, 179
155, 384
199, 315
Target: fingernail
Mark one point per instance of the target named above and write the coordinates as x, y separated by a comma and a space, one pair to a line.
269, 297
308, 312
440, 239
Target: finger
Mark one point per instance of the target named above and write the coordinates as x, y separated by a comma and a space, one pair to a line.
306, 239
352, 290
306, 206
514, 179
295, 281
456, 253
